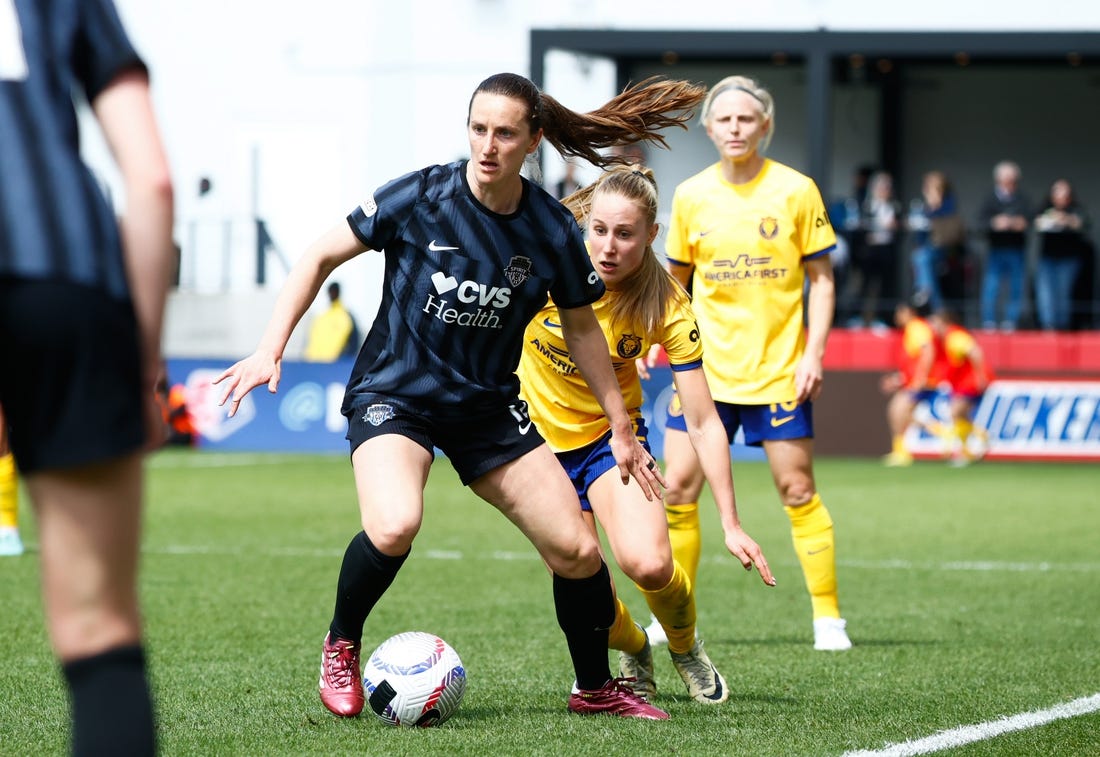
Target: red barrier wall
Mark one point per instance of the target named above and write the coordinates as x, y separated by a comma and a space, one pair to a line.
1026, 352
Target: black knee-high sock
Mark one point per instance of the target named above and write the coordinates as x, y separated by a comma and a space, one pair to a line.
112, 710
586, 610
365, 575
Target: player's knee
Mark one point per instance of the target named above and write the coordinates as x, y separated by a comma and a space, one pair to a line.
683, 487
391, 538
573, 559
650, 572
796, 491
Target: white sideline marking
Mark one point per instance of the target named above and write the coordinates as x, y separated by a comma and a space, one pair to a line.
970, 733
507, 556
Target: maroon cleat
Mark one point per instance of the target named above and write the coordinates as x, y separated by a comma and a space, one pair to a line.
615, 698
341, 681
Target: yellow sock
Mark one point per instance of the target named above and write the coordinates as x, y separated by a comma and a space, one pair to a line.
898, 446
812, 533
9, 493
685, 535
625, 635
963, 427
674, 606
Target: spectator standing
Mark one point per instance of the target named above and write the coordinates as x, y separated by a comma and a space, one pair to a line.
937, 227
1062, 226
1005, 216
876, 260
568, 183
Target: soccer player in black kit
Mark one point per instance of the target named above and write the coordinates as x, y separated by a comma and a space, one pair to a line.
81, 306
472, 249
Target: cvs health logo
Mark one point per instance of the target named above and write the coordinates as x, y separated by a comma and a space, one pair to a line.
466, 303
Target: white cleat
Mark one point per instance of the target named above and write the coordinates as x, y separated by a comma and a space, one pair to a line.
655, 632
829, 635
10, 543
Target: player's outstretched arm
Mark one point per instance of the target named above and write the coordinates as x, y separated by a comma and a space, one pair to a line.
588, 346
263, 366
708, 437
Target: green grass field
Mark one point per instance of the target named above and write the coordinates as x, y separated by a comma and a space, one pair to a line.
970, 595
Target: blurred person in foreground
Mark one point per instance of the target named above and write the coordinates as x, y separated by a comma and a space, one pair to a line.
81, 306
746, 234
643, 306
966, 374
472, 249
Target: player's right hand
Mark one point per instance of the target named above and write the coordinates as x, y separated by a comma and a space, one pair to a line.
245, 375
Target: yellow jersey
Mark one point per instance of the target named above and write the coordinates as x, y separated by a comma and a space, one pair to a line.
562, 406
747, 243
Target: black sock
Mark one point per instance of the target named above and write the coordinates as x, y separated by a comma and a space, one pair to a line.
586, 611
365, 575
112, 709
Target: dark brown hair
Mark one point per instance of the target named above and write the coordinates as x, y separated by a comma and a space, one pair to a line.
636, 115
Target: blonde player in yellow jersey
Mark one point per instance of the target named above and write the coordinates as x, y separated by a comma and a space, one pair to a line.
745, 236
643, 306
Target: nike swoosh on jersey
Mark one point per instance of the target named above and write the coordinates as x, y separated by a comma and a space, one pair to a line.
550, 324
438, 247
777, 422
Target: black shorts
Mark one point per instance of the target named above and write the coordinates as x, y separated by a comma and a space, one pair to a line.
475, 444
70, 383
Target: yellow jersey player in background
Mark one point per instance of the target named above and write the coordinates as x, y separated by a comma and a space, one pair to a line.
643, 305
746, 234
10, 543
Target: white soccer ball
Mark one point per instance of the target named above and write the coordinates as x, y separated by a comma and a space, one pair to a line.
414, 679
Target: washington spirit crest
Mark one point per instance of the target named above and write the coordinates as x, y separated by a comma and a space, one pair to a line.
376, 415
519, 268
769, 227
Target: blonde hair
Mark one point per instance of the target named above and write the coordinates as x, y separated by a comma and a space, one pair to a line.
648, 292
750, 87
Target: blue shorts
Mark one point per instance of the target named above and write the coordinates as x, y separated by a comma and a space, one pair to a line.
924, 395
762, 423
585, 465
474, 443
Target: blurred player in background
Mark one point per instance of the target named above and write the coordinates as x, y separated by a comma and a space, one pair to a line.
81, 306
471, 250
967, 374
746, 235
11, 545
643, 305
915, 379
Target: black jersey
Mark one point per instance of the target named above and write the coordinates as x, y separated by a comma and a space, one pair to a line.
461, 282
54, 220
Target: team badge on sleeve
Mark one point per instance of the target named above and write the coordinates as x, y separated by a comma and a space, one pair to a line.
369, 206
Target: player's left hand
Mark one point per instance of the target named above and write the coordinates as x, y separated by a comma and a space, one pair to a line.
634, 461
744, 548
809, 377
